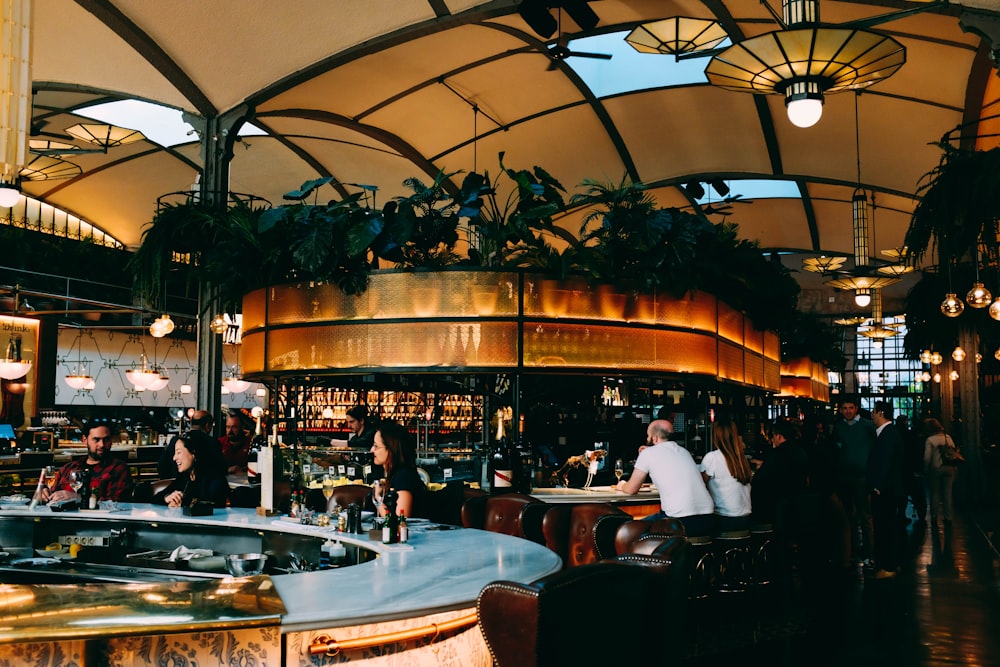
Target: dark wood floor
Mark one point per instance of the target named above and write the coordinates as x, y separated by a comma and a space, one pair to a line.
942, 610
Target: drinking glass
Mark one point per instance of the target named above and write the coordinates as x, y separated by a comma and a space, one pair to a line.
75, 480
50, 477
378, 495
619, 469
327, 489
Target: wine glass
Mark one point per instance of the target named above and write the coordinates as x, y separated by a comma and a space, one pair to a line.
619, 469
75, 480
378, 495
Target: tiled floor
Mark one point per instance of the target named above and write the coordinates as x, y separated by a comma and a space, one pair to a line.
942, 610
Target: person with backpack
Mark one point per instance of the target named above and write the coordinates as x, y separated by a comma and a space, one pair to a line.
940, 469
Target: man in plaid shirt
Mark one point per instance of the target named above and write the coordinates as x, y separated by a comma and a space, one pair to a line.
110, 478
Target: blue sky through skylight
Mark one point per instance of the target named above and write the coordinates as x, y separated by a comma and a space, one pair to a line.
630, 70
754, 189
162, 125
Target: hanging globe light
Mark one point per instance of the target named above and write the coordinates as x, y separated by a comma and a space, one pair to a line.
952, 306
925, 357
936, 358
995, 309
958, 354
925, 376
996, 355
953, 375
937, 378
979, 358
218, 324
978, 296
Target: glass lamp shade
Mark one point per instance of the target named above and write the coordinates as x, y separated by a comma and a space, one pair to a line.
14, 370
862, 297
937, 378
78, 381
877, 343
978, 296
958, 354
925, 376
141, 378
235, 385
804, 112
979, 358
925, 357
953, 375
996, 355
218, 324
185, 389
952, 306
995, 309
936, 358
9, 196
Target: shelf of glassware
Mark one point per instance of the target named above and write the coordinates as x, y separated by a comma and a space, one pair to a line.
324, 410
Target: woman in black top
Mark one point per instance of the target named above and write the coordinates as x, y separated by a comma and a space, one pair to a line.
395, 452
201, 475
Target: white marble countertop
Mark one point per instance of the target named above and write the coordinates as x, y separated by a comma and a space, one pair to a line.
595, 494
442, 570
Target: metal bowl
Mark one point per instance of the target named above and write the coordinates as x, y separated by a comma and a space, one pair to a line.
245, 565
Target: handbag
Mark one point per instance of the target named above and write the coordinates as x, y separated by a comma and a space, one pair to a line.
950, 454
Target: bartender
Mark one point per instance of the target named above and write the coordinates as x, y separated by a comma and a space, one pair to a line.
362, 428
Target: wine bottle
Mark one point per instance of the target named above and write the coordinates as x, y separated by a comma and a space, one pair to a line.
502, 461
258, 443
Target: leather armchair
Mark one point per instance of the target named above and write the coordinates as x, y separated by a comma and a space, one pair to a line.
573, 616
630, 532
503, 513
584, 533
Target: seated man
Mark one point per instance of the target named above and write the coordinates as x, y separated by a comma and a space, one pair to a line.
235, 444
683, 494
110, 478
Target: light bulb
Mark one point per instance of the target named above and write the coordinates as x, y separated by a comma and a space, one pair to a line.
218, 324
978, 296
936, 358
952, 306
925, 376
937, 378
925, 357
805, 112
953, 375
958, 354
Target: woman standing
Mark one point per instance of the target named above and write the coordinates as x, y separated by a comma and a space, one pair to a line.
201, 475
939, 475
396, 453
727, 473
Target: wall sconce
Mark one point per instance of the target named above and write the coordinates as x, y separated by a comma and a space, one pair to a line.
13, 367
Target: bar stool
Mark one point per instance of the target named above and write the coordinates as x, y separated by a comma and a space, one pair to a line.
701, 567
732, 551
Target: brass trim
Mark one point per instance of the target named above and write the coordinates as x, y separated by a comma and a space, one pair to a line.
324, 644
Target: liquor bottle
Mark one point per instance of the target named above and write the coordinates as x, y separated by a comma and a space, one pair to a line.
503, 463
258, 443
404, 530
390, 529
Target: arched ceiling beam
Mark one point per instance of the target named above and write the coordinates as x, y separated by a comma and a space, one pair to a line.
396, 143
147, 47
304, 155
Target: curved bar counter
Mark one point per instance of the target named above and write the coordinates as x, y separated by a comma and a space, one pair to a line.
429, 582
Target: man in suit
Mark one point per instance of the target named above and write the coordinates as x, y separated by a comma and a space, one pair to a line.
885, 481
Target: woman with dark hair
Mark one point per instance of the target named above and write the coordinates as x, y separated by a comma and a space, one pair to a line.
727, 473
396, 453
201, 475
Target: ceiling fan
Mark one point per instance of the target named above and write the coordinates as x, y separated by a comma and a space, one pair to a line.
724, 205
560, 51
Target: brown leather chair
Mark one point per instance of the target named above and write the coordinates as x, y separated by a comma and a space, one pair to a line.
584, 533
630, 532
567, 618
532, 517
474, 509
503, 513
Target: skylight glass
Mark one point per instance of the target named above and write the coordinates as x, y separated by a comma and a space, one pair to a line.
754, 189
162, 125
629, 70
